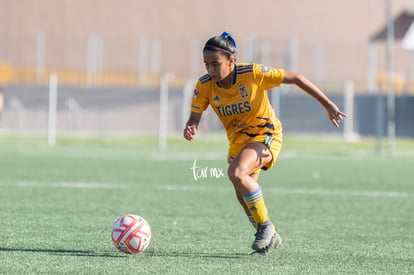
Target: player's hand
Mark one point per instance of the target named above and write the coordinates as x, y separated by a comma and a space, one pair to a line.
335, 115
189, 132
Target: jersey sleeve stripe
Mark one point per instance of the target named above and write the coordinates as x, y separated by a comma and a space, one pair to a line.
205, 78
245, 69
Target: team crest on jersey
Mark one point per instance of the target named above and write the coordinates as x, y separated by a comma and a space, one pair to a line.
195, 93
243, 91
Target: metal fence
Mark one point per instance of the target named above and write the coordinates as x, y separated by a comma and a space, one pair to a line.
136, 111
119, 60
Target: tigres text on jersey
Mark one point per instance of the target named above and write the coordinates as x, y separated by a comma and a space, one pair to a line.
244, 108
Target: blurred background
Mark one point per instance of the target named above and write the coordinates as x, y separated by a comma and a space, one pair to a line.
107, 67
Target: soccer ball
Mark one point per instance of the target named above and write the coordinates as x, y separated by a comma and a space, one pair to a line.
131, 234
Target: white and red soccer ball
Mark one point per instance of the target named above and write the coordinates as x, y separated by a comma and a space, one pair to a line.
131, 234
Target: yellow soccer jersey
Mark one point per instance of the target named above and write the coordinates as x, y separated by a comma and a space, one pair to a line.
244, 109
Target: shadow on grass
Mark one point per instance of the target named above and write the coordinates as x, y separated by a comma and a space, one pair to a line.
66, 252
149, 253
153, 253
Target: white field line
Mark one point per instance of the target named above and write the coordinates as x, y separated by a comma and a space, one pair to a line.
91, 185
81, 185
199, 187
326, 192
296, 191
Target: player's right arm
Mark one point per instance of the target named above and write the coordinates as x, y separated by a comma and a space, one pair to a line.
335, 115
192, 125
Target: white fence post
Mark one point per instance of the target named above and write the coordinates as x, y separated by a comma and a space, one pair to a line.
349, 133
51, 129
163, 115
187, 92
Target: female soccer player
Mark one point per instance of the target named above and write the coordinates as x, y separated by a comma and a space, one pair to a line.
237, 93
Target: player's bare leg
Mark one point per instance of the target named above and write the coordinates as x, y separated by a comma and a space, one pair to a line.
241, 172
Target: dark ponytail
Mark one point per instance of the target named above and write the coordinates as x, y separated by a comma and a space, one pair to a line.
224, 43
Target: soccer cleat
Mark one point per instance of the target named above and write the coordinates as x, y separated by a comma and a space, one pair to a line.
263, 235
275, 242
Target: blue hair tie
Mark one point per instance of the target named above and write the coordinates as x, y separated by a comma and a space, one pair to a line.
227, 35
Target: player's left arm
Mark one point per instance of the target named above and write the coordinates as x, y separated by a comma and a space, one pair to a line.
335, 115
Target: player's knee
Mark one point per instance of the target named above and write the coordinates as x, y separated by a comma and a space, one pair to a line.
236, 174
